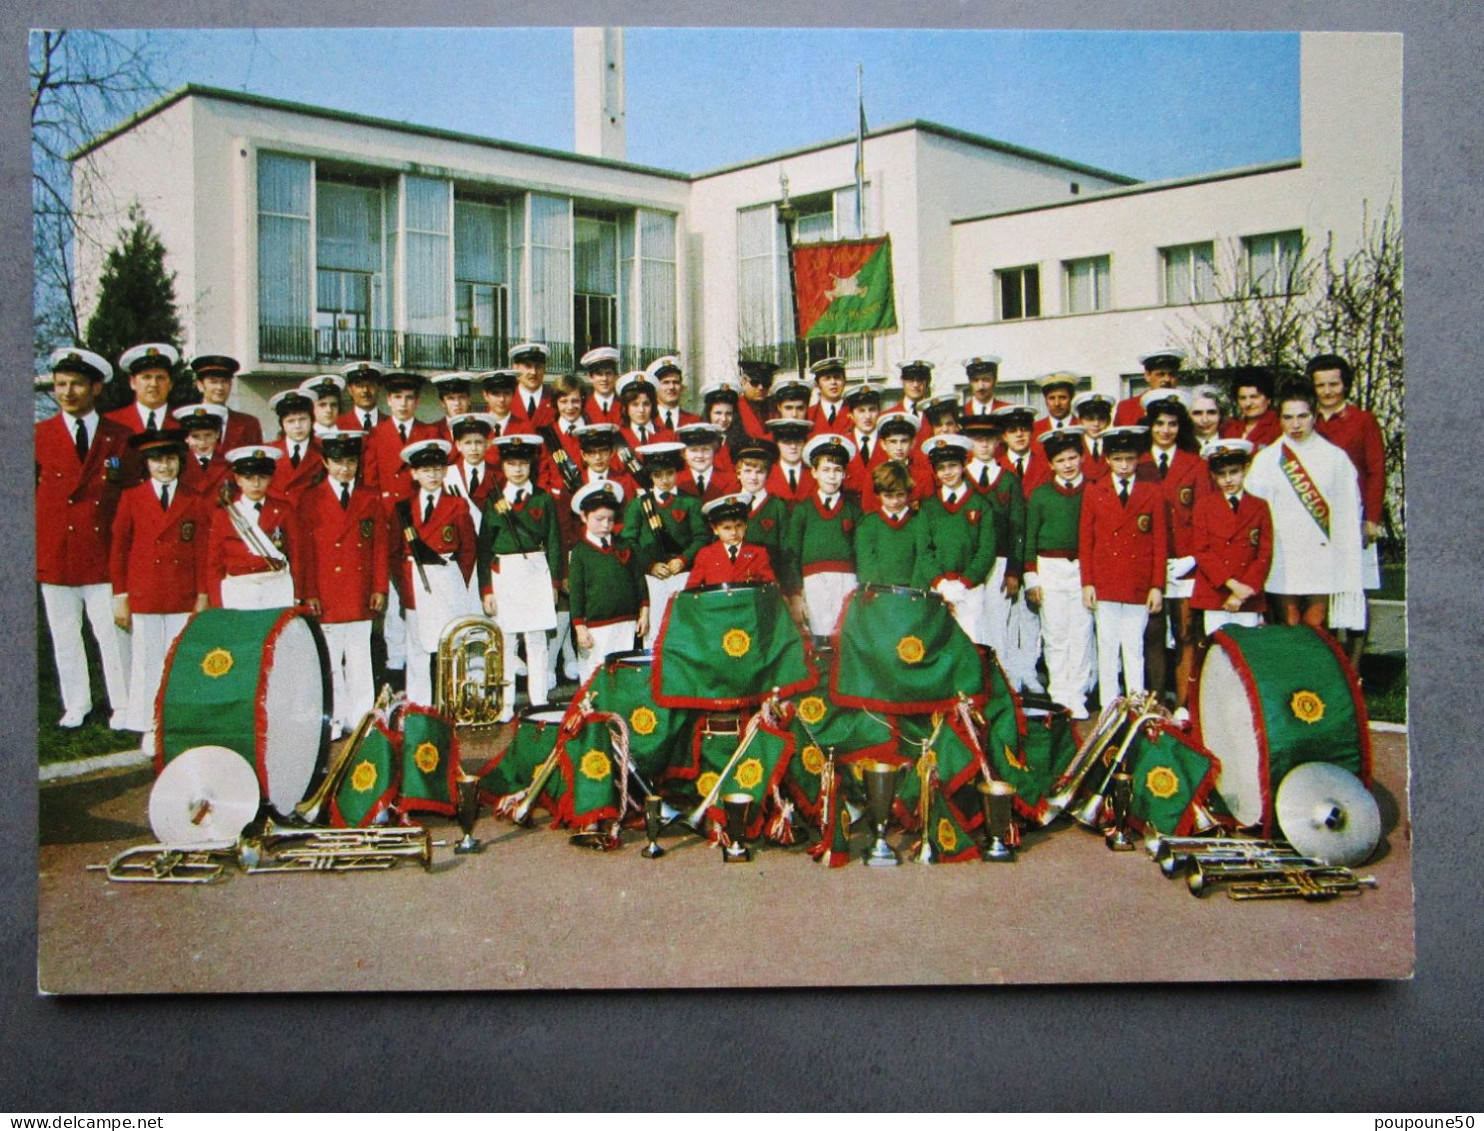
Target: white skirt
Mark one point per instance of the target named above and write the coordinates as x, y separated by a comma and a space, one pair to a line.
266, 590
450, 598
824, 597
523, 593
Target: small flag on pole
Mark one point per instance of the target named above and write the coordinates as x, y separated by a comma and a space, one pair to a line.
860, 152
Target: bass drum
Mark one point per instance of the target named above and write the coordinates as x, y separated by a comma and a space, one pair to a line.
257, 682
1273, 698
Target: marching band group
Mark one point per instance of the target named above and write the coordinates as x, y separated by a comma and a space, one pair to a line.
1079, 542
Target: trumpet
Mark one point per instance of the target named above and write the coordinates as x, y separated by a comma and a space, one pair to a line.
277, 849
470, 684
1283, 878
170, 863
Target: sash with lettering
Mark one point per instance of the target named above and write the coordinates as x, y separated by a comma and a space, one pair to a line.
1305, 488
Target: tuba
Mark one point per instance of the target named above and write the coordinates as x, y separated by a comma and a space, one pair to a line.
470, 682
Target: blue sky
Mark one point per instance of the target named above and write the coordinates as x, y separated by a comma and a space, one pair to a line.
1150, 105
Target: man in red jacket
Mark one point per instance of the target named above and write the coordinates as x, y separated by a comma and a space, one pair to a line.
80, 471
1122, 546
349, 529
533, 406
1161, 371
363, 386
214, 374
157, 565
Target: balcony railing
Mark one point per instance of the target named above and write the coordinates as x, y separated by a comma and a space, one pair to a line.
308, 345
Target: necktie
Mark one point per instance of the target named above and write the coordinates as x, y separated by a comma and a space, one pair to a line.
669, 422
1164, 464
829, 505
402, 429
294, 458
165, 497
345, 496
81, 436
1232, 499
732, 550
952, 498
1097, 447
701, 485
664, 497
258, 507
866, 450
984, 476
1020, 467
1123, 491
367, 421
531, 406
150, 423
793, 480
205, 461
605, 545
520, 496
473, 482
830, 414
427, 509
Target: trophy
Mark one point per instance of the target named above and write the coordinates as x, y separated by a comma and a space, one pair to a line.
736, 806
467, 813
881, 787
1121, 794
653, 820
996, 799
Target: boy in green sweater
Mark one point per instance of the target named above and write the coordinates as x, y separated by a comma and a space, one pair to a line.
609, 603
767, 516
1052, 526
667, 551
886, 543
955, 536
821, 537
520, 565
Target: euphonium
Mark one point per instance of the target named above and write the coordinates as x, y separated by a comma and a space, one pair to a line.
470, 685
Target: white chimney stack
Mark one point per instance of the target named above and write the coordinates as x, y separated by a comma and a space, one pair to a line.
597, 87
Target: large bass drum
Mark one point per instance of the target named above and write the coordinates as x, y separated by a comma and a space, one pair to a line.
257, 682
1273, 698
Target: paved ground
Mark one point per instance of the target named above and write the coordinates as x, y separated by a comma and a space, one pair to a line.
532, 911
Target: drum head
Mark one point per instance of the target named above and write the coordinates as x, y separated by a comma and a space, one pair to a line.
205, 794
294, 705
1229, 730
542, 716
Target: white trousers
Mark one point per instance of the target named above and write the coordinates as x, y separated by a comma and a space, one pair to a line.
151, 636
419, 663
607, 638
271, 589
537, 674
394, 628
968, 610
65, 605
1120, 642
824, 597
994, 619
561, 645
661, 593
351, 677
1022, 645
1220, 618
1066, 628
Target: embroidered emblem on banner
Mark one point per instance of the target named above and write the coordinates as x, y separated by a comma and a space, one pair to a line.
363, 777
812, 709
813, 759
1306, 706
216, 663
595, 765
946, 836
1011, 759
1161, 782
910, 650
750, 773
643, 721
736, 643
425, 757
706, 783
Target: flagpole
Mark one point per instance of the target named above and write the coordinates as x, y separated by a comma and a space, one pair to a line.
789, 215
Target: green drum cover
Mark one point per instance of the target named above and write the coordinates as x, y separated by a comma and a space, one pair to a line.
1168, 774
430, 762
511, 770
371, 780
657, 735
588, 768
903, 654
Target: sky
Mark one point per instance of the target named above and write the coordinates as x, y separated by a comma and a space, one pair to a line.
1149, 105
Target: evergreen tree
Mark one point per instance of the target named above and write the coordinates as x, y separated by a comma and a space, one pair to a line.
136, 302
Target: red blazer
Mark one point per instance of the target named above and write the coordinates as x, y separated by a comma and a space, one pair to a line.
842, 425
1037, 470
1122, 548
208, 480
682, 418
1263, 431
350, 550
243, 429
1356, 430
596, 415
1094, 469
1129, 411
159, 557
1227, 546
718, 483
777, 484
449, 530
971, 407
228, 556
76, 499
545, 410
713, 565
291, 482
381, 458
752, 419
1042, 426
491, 476
129, 417
656, 435
350, 420
1187, 481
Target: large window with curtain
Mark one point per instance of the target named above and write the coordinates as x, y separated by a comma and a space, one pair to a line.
548, 317
285, 258
594, 282
481, 244
658, 331
428, 274
348, 274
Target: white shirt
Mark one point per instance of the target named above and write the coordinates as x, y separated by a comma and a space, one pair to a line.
162, 414
89, 424
513, 489
159, 487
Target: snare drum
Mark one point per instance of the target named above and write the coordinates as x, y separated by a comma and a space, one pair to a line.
657, 735
257, 682
1270, 699
901, 652
535, 737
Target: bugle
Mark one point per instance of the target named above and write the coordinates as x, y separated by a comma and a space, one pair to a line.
696, 818
1064, 791
251, 533
170, 863
1142, 709
309, 809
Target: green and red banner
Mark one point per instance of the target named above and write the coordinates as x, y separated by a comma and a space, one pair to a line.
844, 287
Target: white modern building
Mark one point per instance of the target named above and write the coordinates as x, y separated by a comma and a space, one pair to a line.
303, 238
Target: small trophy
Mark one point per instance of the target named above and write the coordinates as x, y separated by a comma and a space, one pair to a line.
1121, 794
653, 822
736, 806
467, 813
996, 798
881, 787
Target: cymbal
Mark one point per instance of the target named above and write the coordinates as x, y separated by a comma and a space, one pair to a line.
1327, 814
206, 793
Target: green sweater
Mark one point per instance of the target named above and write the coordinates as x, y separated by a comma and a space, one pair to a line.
885, 553
959, 544
604, 588
1051, 520
814, 539
530, 528
767, 526
1006, 499
681, 516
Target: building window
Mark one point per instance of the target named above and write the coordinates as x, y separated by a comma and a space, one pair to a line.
1272, 262
347, 270
1019, 290
595, 283
481, 248
285, 258
1087, 284
1189, 273
658, 322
